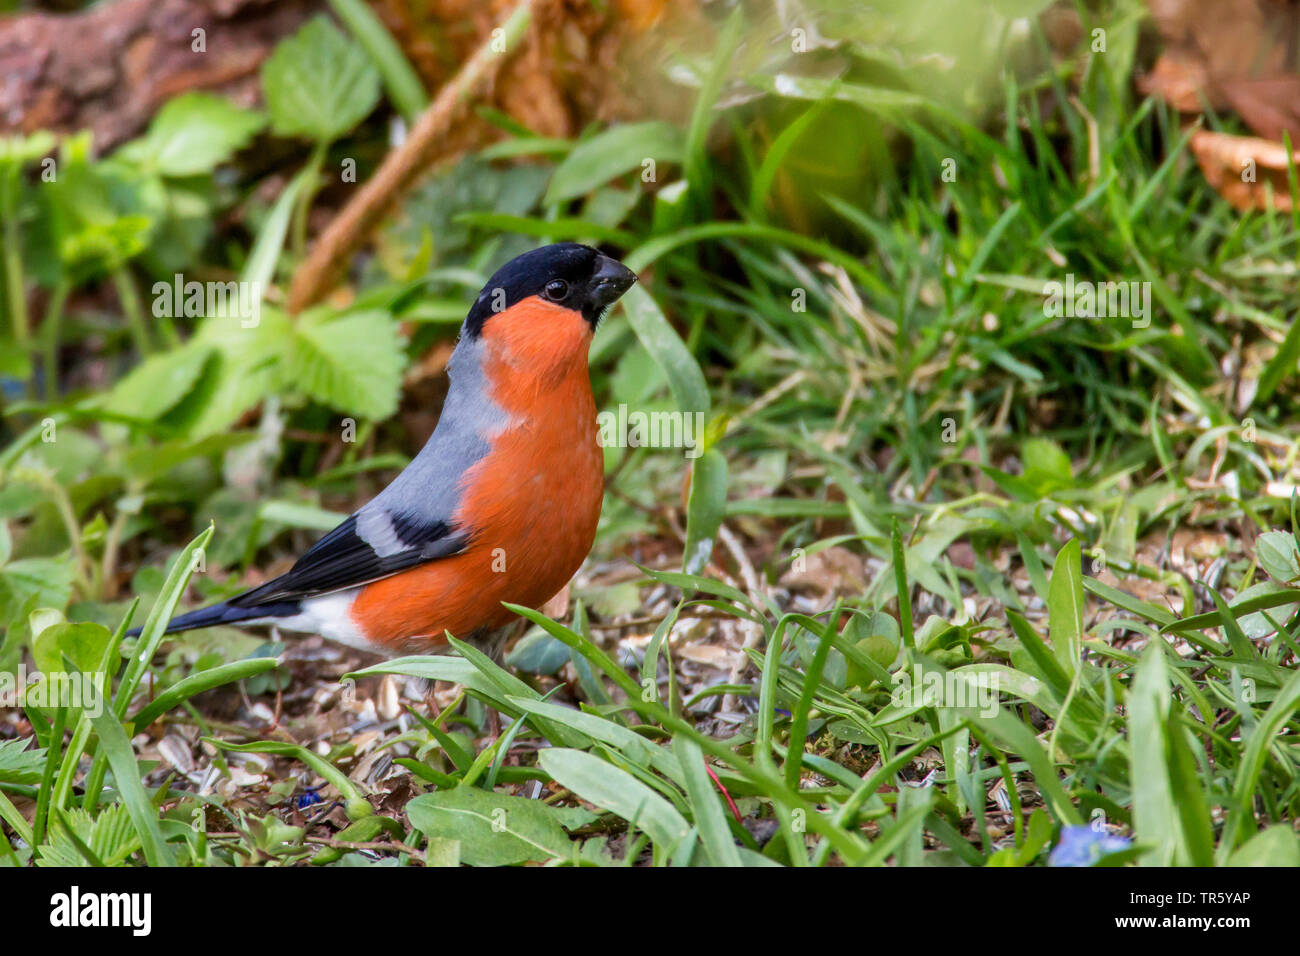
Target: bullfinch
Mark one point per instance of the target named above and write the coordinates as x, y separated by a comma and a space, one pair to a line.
502, 502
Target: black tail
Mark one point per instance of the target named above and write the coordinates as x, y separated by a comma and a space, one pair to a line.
225, 614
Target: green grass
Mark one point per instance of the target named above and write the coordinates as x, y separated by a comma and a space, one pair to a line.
1065, 512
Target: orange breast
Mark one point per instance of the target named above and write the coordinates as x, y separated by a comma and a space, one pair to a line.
532, 502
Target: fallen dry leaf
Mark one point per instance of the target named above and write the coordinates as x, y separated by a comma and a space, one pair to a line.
1234, 54
558, 606
831, 571
1240, 56
710, 655
1244, 170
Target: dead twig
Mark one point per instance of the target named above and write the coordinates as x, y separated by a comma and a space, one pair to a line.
753, 632
316, 275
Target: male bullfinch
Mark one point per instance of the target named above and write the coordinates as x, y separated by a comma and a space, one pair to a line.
500, 505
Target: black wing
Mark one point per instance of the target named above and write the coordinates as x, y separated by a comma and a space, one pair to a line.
344, 558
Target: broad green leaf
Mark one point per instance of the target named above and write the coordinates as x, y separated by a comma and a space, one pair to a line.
297, 514
109, 838
870, 643
353, 363
1065, 606
1276, 846
400, 79
708, 502
318, 83
538, 653
493, 829
1046, 465
98, 247
617, 150
192, 134
1277, 555
17, 764
84, 644
50, 579
17, 151
444, 853
1155, 810
159, 383
617, 791
245, 370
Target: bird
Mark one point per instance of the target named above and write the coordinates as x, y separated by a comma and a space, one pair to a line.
500, 505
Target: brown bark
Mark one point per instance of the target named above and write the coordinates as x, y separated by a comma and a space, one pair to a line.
110, 68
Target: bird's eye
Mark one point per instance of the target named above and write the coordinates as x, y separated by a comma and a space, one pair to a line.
556, 290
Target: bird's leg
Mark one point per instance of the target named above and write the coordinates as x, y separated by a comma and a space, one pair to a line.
431, 700
493, 643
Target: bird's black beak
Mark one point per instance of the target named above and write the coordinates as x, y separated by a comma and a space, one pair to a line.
610, 280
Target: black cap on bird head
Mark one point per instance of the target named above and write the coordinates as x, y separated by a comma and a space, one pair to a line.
566, 273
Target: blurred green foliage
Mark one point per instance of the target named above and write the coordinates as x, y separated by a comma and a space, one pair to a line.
845, 245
